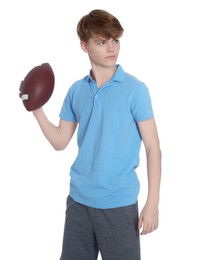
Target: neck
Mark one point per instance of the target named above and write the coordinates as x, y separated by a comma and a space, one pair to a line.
102, 75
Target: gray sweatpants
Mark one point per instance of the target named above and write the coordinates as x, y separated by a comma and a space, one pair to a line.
113, 232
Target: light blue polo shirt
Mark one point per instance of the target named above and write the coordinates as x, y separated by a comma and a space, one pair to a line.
103, 173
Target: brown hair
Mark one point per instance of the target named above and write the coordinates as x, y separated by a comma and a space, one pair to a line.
99, 22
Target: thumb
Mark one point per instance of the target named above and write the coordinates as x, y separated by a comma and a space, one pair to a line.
140, 221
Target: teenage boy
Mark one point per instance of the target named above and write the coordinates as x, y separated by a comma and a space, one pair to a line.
113, 112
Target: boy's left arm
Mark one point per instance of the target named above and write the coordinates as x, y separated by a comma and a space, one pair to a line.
148, 220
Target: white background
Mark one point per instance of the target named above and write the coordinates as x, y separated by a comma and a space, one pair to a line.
160, 47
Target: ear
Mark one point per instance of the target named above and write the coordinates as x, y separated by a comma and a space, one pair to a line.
83, 45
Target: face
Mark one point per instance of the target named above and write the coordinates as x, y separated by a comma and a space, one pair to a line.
102, 52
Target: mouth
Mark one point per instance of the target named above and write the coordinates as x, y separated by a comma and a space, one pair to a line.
112, 57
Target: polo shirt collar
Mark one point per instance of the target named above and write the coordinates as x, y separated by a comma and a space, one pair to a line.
118, 76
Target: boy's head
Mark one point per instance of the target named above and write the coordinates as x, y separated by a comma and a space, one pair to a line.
99, 22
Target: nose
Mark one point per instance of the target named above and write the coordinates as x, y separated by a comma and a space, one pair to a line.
110, 46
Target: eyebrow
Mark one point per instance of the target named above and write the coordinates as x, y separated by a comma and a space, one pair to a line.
99, 38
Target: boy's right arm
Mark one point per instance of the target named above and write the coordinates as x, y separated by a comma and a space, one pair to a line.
58, 136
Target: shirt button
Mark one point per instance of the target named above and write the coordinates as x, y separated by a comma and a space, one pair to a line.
96, 96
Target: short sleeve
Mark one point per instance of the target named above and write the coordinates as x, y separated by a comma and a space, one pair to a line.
67, 112
141, 106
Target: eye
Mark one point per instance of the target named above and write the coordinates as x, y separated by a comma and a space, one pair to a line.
115, 41
101, 42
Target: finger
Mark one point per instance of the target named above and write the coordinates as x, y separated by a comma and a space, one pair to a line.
21, 85
155, 226
144, 231
140, 222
